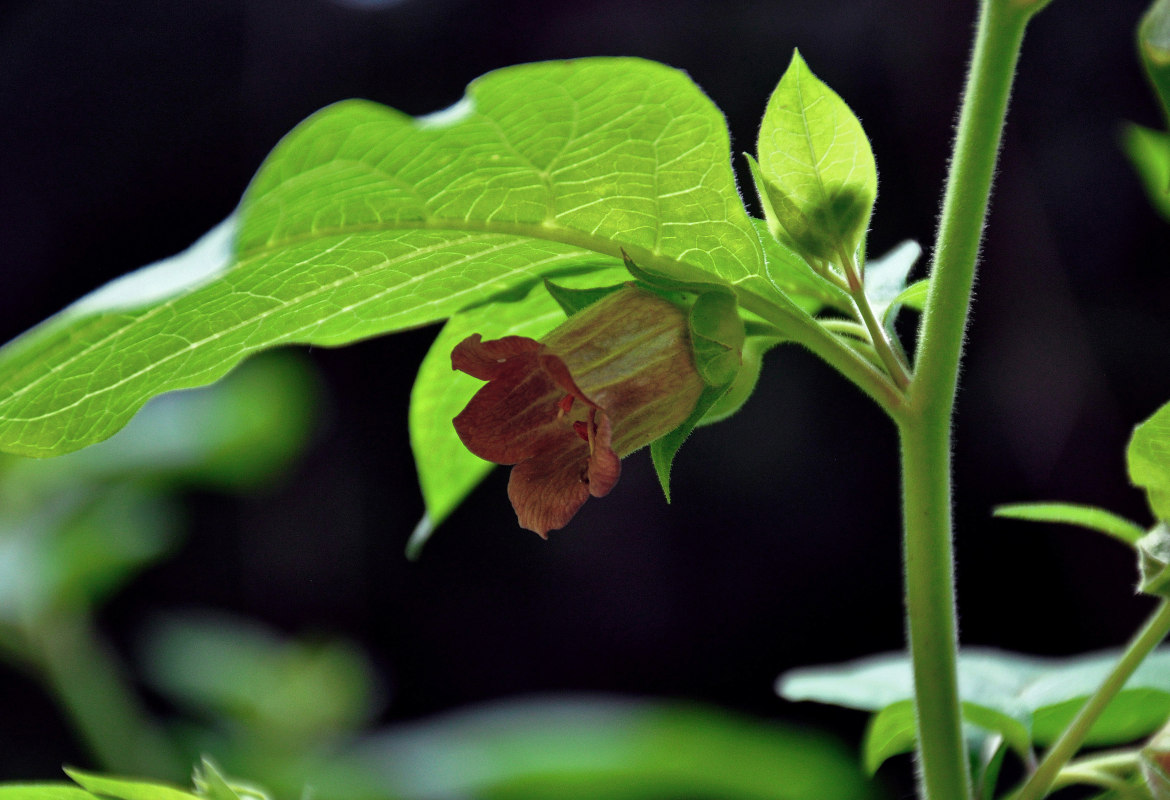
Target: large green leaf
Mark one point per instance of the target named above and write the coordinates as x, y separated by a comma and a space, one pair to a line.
365, 221
818, 172
1148, 458
1050, 690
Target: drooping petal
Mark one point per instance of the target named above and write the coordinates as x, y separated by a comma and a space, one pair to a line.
547, 490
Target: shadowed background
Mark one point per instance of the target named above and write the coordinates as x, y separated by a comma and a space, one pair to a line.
130, 128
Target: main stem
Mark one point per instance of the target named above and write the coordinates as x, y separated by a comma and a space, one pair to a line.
924, 423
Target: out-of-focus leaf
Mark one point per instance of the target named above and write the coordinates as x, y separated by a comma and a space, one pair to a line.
236, 434
365, 221
893, 731
75, 553
1154, 45
127, 788
591, 748
283, 691
43, 791
1149, 151
1051, 690
816, 167
1091, 517
885, 280
1148, 457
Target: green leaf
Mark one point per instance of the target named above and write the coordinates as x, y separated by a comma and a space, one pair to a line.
885, 280
127, 788
365, 221
894, 731
1091, 517
816, 166
447, 471
1148, 458
792, 275
43, 791
1149, 151
1154, 45
1050, 690
584, 748
284, 690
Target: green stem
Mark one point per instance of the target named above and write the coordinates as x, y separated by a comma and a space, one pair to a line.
877, 334
105, 711
1073, 737
803, 329
925, 422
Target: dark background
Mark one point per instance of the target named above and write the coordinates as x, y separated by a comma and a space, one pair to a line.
130, 128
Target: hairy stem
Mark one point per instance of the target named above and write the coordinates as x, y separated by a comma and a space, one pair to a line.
925, 422
1073, 737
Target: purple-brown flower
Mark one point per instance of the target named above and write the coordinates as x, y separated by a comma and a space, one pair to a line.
610, 380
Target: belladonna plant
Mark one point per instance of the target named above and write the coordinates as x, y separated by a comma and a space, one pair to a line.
603, 189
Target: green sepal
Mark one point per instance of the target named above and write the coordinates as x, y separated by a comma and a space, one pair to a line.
745, 380
663, 451
663, 283
573, 300
1154, 561
717, 336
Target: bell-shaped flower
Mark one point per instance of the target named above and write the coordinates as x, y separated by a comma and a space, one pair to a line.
611, 379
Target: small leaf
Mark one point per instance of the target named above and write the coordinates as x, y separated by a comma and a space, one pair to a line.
127, 788
894, 731
891, 732
1154, 44
816, 166
1148, 458
1091, 517
914, 295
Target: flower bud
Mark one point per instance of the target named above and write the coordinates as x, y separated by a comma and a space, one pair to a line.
611, 379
